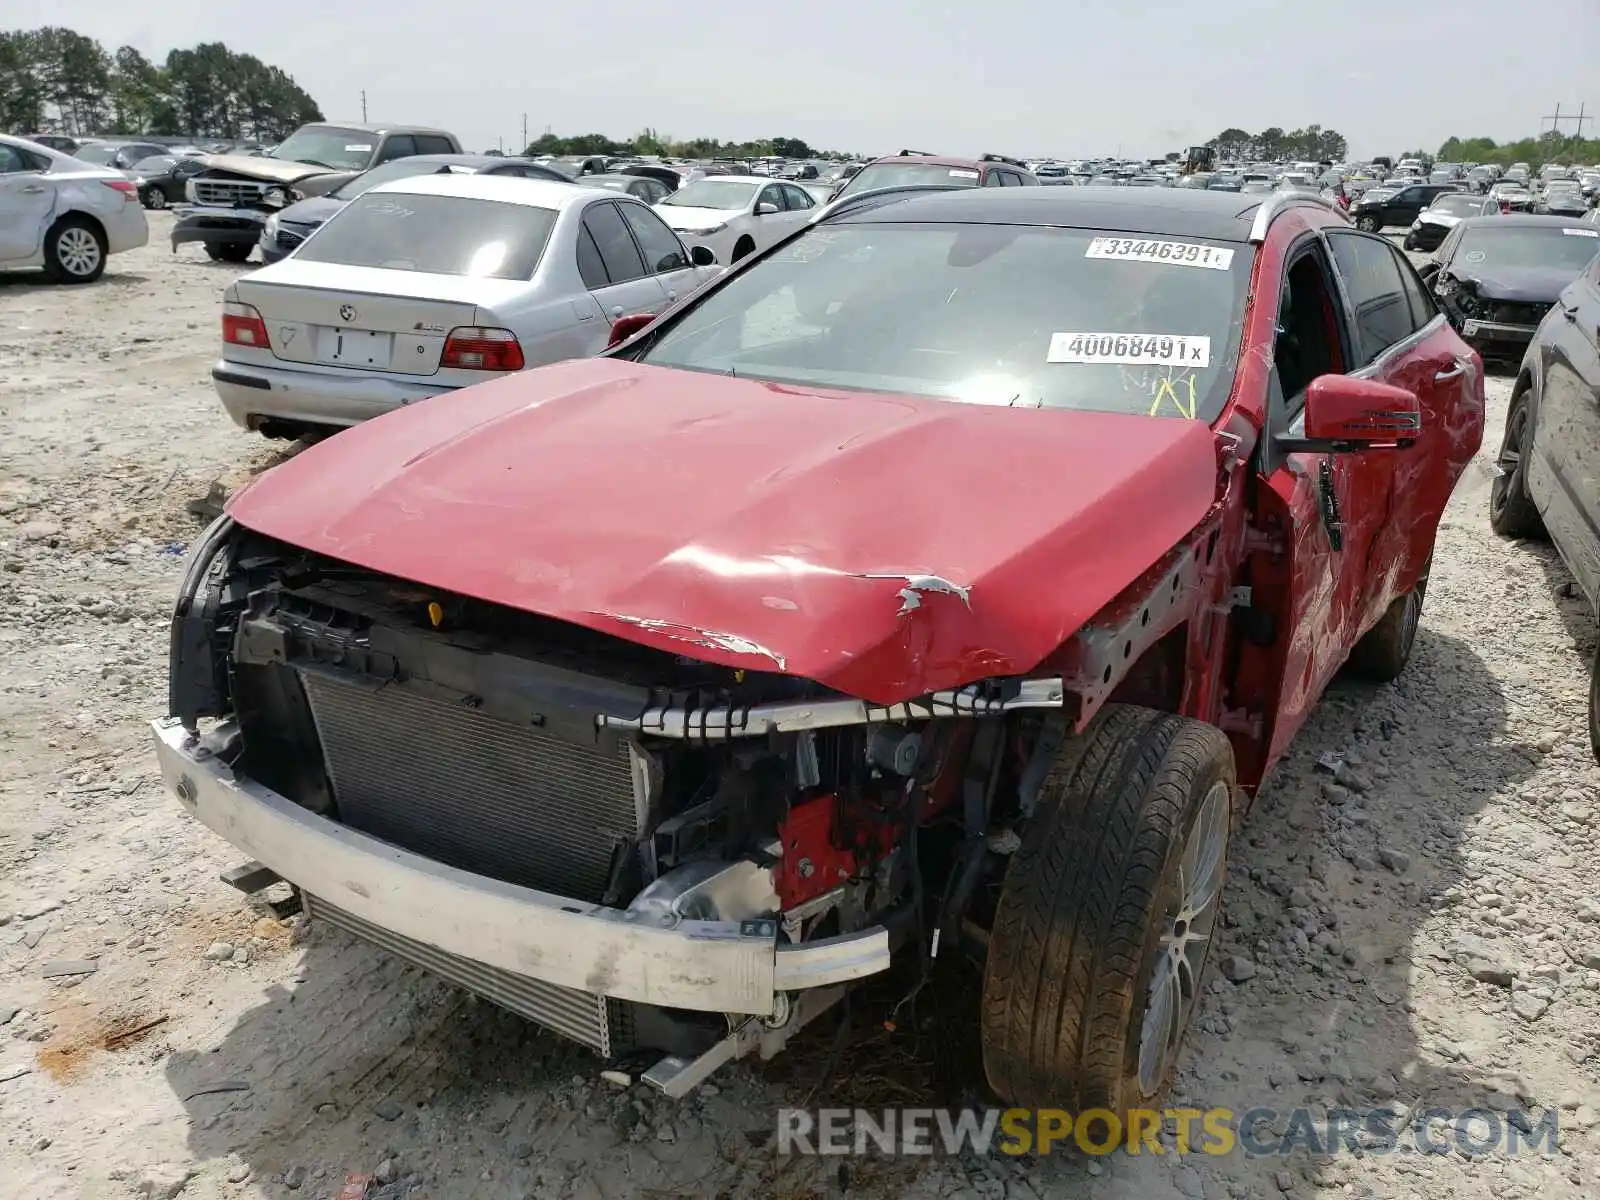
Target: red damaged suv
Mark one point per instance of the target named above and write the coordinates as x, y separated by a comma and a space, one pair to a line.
943, 580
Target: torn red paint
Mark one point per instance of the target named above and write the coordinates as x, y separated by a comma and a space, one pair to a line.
886, 546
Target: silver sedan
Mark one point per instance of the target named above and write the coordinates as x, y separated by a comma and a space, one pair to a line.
432, 283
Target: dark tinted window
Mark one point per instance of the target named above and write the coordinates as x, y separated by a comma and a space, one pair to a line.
437, 235
994, 178
1372, 280
662, 250
432, 143
798, 198
615, 243
400, 146
902, 174
1422, 306
589, 264
1410, 195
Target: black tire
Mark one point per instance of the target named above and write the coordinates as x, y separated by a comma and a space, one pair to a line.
1594, 705
1512, 512
1384, 650
154, 198
75, 250
1087, 898
740, 248
1369, 224
231, 252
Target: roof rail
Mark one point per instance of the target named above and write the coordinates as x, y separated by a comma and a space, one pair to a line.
906, 153
1274, 203
1015, 162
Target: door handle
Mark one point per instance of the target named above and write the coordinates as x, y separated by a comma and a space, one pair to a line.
32, 189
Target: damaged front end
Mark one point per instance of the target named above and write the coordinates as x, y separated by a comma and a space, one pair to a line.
230, 202
635, 849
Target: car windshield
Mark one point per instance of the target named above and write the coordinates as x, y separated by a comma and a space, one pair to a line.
1559, 246
910, 174
982, 314
1458, 206
100, 153
724, 194
329, 146
153, 166
436, 235
400, 168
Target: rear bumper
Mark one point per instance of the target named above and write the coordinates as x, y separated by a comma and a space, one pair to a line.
249, 392
707, 966
227, 226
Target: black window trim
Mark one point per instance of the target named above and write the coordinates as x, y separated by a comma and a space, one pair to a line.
1380, 360
639, 250
649, 272
1290, 414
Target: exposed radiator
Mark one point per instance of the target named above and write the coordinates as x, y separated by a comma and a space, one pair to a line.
474, 791
578, 1015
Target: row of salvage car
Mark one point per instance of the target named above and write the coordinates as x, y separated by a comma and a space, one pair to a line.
657, 695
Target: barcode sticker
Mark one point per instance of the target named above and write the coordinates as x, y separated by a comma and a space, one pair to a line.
1183, 254
1131, 349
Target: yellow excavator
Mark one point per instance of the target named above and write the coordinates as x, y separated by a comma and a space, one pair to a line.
1198, 158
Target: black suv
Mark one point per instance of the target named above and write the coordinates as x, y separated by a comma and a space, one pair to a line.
1399, 209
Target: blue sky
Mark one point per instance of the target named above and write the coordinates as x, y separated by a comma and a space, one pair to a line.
956, 76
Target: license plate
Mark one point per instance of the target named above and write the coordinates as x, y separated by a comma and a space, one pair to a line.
1469, 329
355, 347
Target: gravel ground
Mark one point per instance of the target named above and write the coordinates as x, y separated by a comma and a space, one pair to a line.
1419, 928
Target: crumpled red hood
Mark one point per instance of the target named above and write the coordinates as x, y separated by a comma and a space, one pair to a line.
885, 546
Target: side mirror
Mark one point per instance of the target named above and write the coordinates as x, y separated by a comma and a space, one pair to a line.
702, 256
1346, 414
765, 209
625, 327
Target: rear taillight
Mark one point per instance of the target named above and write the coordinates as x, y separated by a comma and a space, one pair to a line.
126, 186
242, 326
1505, 206
471, 348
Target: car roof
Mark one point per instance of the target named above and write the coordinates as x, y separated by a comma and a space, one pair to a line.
1525, 221
509, 189
1179, 212
376, 127
937, 160
464, 160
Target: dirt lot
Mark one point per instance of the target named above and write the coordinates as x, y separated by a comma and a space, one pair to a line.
133, 1061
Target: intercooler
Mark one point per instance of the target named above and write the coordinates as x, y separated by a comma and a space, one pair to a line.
583, 1017
475, 791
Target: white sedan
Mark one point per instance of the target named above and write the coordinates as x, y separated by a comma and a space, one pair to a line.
431, 283
733, 215
63, 214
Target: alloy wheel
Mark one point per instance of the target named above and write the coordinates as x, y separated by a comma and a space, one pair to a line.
77, 251
1185, 939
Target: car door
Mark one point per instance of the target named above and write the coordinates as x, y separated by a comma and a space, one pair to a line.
1402, 207
798, 200
26, 201
1315, 579
664, 254
612, 266
1401, 339
1564, 461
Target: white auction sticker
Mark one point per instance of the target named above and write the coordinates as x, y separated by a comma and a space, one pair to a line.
1581, 232
1132, 349
962, 173
1183, 254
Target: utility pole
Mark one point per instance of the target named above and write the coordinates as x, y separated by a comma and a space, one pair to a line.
1553, 118
1581, 118
1556, 118
363, 106
524, 148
